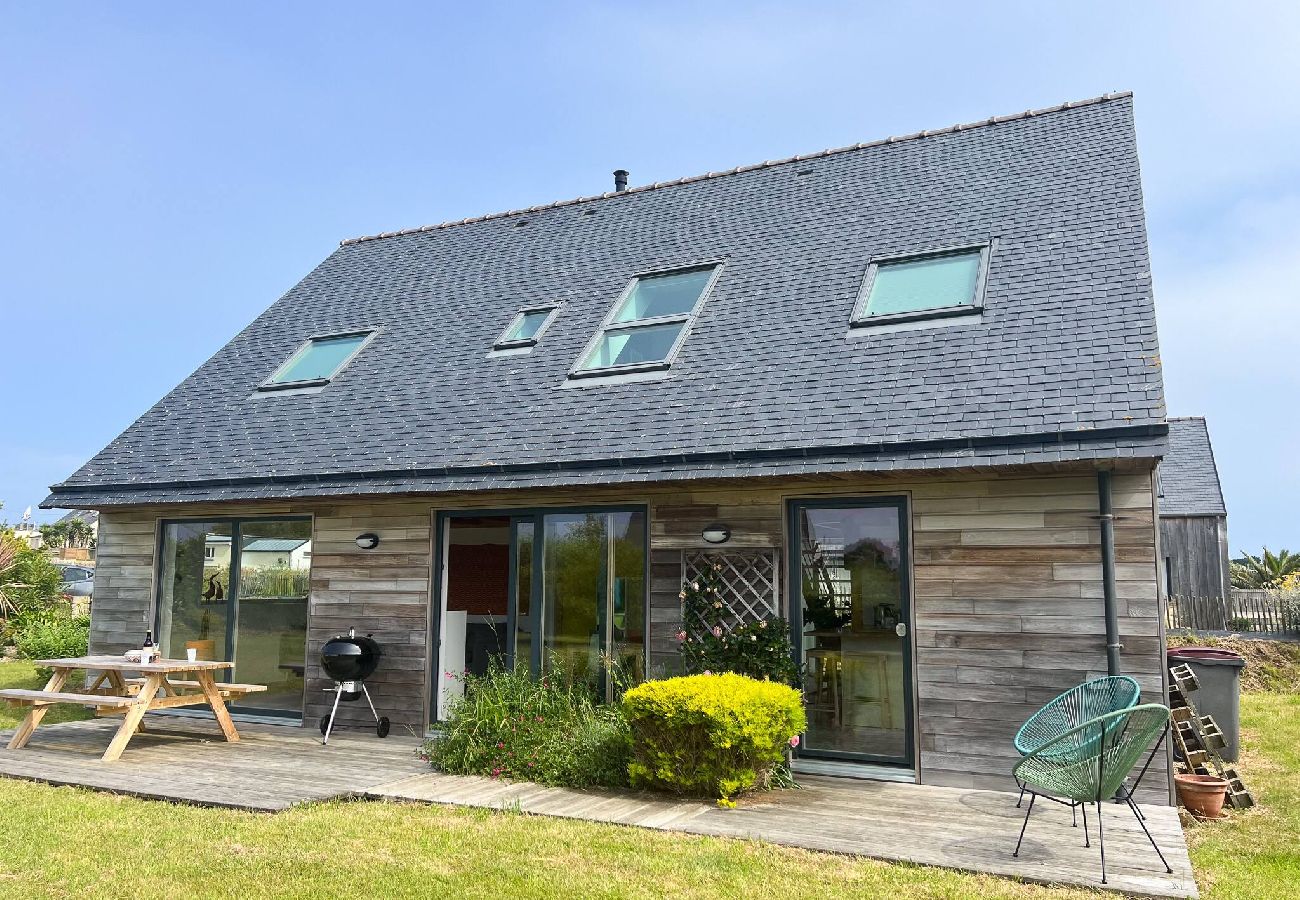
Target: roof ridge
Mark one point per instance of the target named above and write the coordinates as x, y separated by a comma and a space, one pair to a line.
801, 157
1184, 418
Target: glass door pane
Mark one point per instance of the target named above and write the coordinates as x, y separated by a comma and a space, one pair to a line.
269, 638
593, 593
194, 590
853, 620
626, 637
575, 570
522, 587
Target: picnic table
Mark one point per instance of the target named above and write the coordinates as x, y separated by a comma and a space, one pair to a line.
160, 685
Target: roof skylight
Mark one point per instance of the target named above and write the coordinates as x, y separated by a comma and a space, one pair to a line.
526, 328
648, 323
317, 362
929, 285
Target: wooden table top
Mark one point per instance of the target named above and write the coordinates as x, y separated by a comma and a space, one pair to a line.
120, 664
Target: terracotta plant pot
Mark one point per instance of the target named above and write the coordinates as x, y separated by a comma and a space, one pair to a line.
1203, 795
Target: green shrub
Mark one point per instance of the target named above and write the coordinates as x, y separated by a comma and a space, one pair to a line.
550, 730
712, 641
711, 735
52, 636
28, 579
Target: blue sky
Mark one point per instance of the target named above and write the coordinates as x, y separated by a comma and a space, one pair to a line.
168, 170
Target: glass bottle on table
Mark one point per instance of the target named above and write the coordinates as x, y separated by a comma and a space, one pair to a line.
148, 652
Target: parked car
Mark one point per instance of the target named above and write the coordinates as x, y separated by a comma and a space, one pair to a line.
78, 581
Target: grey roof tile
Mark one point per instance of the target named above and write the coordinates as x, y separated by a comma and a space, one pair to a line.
1066, 345
1189, 478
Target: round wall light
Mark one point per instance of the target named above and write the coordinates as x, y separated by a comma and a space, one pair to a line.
368, 541
716, 534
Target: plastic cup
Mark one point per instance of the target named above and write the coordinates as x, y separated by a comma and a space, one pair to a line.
192, 654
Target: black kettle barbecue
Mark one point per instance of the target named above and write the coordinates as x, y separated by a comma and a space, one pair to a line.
350, 660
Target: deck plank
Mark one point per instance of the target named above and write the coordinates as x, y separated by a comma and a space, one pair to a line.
276, 767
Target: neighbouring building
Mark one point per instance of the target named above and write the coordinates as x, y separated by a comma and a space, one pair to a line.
1193, 516
906, 393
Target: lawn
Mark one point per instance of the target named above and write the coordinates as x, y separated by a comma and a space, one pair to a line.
66, 842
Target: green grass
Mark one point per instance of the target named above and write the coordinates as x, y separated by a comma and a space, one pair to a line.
22, 674
67, 842
1256, 853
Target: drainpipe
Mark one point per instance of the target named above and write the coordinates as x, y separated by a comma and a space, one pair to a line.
1107, 519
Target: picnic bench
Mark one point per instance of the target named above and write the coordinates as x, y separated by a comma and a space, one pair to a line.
152, 687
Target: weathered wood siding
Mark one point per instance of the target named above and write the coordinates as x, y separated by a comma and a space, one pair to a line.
1007, 598
384, 591
1195, 552
1007, 608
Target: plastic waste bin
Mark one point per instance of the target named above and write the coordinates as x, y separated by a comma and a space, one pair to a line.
1219, 672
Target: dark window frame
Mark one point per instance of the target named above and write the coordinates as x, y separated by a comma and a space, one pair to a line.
608, 325
232, 589
860, 317
367, 335
535, 514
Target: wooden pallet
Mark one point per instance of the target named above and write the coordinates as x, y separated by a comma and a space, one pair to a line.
1199, 738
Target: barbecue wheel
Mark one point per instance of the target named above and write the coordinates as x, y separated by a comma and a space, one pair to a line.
382, 728
324, 724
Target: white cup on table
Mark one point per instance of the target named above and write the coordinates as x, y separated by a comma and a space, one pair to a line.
192, 654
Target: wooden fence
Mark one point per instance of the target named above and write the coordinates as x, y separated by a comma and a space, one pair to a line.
1243, 611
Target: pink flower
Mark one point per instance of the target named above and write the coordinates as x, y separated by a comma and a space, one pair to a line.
707, 672
500, 745
539, 718
794, 741
717, 631
681, 636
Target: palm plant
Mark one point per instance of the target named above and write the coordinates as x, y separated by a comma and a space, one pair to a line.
8, 561
1267, 571
79, 533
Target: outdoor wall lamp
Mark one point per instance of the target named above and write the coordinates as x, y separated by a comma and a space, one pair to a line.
368, 541
716, 534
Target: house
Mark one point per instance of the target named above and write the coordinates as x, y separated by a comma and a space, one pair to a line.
261, 553
1193, 517
906, 393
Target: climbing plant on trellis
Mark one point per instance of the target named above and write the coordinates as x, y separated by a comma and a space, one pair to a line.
729, 603
747, 585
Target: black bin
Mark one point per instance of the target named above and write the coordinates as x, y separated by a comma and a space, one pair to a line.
1219, 672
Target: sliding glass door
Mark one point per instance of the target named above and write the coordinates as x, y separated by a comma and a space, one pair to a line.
565, 588
236, 590
851, 612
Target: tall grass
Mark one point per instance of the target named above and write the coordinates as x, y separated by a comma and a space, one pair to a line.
552, 730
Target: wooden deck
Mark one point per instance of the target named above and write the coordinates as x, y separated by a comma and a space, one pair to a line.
271, 768
275, 767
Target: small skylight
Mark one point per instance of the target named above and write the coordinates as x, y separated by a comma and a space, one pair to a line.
317, 361
526, 328
650, 320
930, 285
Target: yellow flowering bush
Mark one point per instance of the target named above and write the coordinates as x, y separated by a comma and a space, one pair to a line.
710, 735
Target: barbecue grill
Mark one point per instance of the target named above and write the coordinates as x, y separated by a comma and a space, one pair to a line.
350, 660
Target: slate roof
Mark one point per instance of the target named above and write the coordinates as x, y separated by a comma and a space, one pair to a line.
1063, 364
1189, 478
273, 545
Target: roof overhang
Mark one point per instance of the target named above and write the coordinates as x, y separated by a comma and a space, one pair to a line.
1100, 447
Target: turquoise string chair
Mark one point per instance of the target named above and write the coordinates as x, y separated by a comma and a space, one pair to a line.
1073, 708
1088, 764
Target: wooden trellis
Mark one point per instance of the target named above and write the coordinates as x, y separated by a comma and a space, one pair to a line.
750, 583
